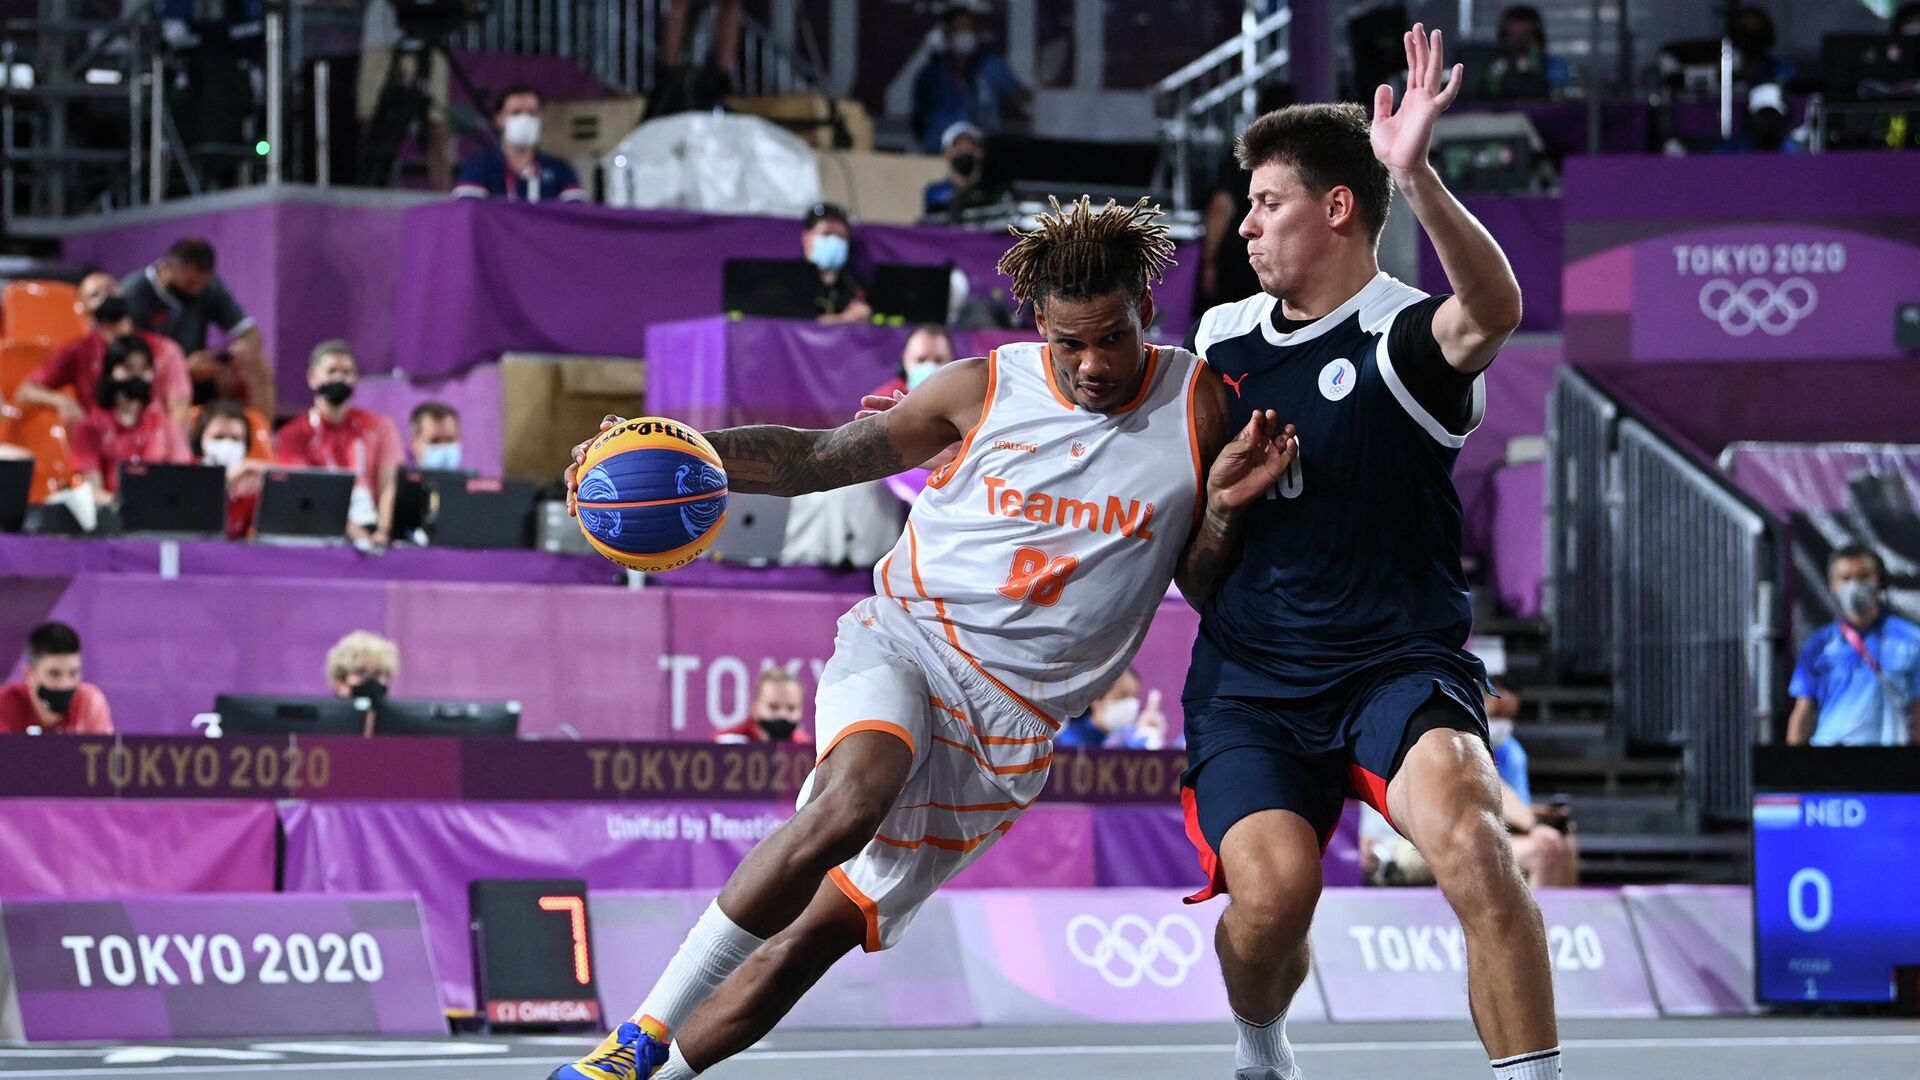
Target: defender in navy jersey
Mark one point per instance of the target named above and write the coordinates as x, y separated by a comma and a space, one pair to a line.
1334, 613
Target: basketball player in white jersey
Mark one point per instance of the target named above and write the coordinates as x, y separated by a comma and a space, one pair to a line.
1022, 587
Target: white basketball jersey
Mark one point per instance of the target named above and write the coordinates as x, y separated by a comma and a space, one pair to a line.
1041, 554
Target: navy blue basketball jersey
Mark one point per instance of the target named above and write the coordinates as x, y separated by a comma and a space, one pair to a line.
1354, 557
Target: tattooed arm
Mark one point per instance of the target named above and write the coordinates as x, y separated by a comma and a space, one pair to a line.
1240, 474
766, 459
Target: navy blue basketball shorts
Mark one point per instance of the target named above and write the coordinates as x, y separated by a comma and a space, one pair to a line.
1307, 755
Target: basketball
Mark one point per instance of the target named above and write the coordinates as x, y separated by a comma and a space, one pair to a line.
651, 494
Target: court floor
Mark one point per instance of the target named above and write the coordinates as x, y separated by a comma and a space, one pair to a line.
1746, 1049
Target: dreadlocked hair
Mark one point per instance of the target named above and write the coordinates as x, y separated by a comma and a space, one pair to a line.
1078, 253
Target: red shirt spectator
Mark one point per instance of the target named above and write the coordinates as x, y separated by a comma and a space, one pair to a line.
125, 425
88, 715
81, 362
334, 435
778, 706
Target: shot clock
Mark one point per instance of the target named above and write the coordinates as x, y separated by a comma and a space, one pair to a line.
533, 953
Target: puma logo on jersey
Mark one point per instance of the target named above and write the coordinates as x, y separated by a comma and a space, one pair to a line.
1128, 519
1233, 382
1008, 444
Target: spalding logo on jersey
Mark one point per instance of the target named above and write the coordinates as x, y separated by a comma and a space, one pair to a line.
1337, 379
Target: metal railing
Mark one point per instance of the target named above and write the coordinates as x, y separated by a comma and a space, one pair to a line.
1580, 434
1203, 105
1661, 563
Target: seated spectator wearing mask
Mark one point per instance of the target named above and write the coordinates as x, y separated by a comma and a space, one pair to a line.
1858, 679
362, 665
1118, 720
1523, 33
52, 699
333, 434
778, 708
434, 428
1543, 838
966, 151
80, 363
516, 170
962, 81
224, 438
826, 240
1766, 128
179, 297
125, 425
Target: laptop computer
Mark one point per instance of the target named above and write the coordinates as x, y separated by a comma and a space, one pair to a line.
16, 482
912, 294
771, 288
303, 507
468, 719
755, 530
480, 511
179, 500
279, 714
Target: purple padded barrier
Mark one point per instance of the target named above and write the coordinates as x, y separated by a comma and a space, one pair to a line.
103, 847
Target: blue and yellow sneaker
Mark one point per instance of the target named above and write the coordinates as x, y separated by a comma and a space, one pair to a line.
632, 1052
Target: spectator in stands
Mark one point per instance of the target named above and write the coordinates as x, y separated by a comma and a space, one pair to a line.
79, 363
333, 434
1766, 128
125, 425
1543, 838
1126, 722
516, 170
1858, 679
1523, 33
1751, 29
52, 698
434, 429
1225, 274
827, 243
965, 147
929, 348
384, 47
778, 708
178, 297
224, 438
363, 665
961, 82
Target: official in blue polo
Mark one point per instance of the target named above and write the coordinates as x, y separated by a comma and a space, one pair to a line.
1858, 679
516, 169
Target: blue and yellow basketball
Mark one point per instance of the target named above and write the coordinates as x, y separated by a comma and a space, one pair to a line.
652, 494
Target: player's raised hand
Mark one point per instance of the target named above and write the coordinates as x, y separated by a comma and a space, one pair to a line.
1401, 139
579, 457
1252, 463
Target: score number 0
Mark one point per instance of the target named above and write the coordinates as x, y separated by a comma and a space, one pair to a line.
1813, 883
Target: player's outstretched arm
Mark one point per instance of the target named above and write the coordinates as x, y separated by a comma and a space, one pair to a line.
1239, 473
1485, 306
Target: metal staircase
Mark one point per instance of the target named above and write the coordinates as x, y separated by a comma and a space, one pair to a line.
1203, 106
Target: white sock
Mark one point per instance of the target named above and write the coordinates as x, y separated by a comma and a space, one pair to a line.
676, 1068
713, 949
1534, 1065
1264, 1046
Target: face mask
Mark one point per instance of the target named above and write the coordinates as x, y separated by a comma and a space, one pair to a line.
1857, 597
919, 373
335, 393
964, 164
223, 452
1498, 732
963, 43
372, 689
56, 700
444, 455
778, 730
830, 252
522, 130
1121, 714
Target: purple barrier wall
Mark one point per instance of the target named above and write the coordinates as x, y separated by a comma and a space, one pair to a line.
92, 847
307, 267
1733, 263
1398, 954
1698, 941
1529, 229
436, 848
169, 967
61, 557
920, 982
574, 267
1711, 405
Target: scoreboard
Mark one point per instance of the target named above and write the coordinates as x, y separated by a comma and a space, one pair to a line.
1836, 888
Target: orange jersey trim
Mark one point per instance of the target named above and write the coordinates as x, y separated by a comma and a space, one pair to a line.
861, 900
987, 740
1193, 440
953, 638
652, 502
948, 843
913, 559
887, 726
886, 582
971, 809
1003, 770
951, 468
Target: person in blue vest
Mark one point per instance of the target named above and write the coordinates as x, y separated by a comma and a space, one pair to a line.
1858, 679
962, 82
516, 169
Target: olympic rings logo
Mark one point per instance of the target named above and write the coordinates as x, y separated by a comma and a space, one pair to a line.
1758, 304
1133, 949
